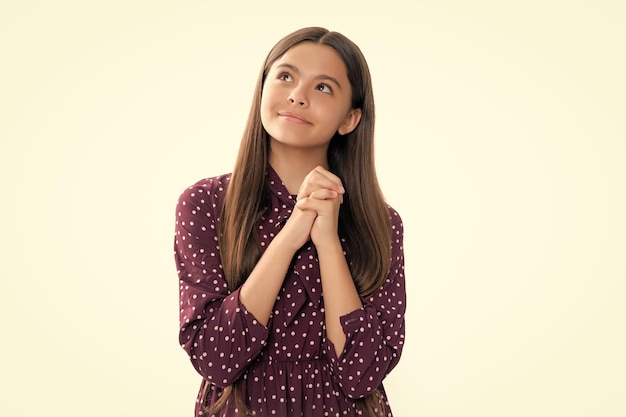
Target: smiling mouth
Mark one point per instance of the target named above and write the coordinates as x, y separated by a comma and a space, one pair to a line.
294, 118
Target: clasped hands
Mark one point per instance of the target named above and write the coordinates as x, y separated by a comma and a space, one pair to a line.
316, 213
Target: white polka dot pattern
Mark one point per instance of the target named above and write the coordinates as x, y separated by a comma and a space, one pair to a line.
289, 368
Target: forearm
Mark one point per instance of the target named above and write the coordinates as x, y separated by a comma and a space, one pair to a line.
258, 294
340, 294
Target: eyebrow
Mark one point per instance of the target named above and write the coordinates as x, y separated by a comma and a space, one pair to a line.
319, 77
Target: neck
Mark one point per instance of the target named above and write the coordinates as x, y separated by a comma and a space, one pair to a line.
293, 165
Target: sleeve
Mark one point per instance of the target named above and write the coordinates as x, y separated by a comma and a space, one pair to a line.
374, 333
220, 336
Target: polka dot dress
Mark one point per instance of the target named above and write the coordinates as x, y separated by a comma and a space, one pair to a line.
288, 368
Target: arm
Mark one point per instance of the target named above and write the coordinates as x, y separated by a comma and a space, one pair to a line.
364, 337
218, 333
374, 333
340, 294
260, 290
321, 193
222, 331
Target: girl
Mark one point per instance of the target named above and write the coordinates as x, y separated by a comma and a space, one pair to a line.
291, 268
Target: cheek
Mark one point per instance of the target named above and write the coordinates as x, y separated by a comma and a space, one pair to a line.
338, 116
269, 99
266, 104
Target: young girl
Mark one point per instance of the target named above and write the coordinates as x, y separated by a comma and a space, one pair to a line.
291, 268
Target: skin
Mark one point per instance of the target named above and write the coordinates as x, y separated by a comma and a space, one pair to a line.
306, 100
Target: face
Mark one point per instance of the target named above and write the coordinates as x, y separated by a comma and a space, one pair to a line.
307, 97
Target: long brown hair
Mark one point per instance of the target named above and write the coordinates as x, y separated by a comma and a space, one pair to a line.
364, 215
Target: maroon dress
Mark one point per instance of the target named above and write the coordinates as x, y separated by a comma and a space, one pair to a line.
288, 368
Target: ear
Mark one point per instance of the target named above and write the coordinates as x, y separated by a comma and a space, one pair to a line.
350, 123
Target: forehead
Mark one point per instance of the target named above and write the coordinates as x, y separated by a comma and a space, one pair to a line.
314, 59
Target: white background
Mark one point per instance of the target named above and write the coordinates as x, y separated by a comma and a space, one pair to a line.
501, 140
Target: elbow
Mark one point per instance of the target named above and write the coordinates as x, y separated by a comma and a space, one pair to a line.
221, 375
359, 383
355, 387
221, 381
215, 368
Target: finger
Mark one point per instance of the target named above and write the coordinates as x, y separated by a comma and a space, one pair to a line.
328, 179
318, 205
324, 194
320, 178
312, 204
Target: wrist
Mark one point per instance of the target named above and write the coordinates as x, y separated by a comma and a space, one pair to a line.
287, 242
328, 244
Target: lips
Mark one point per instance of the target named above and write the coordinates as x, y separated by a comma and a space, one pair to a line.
294, 118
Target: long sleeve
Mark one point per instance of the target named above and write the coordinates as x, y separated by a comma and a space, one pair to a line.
220, 336
374, 333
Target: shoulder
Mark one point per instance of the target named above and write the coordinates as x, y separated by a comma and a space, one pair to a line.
396, 220
205, 192
397, 234
397, 240
213, 187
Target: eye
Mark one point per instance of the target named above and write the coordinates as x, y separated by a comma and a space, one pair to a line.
284, 76
324, 88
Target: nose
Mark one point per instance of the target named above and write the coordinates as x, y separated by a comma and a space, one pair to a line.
293, 101
297, 97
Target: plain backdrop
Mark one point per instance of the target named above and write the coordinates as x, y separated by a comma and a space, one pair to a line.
500, 139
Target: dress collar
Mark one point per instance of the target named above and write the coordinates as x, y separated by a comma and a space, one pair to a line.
277, 188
